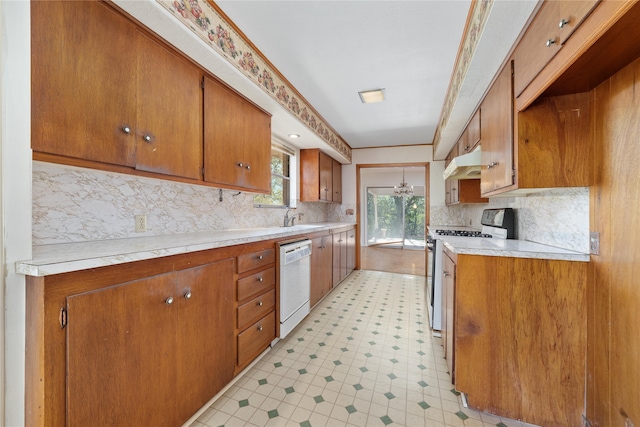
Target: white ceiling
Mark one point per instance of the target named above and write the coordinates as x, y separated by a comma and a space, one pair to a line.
331, 49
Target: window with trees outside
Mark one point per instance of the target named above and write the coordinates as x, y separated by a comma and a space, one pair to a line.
395, 221
280, 181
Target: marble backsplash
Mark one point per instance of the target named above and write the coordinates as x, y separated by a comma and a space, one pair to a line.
74, 204
557, 217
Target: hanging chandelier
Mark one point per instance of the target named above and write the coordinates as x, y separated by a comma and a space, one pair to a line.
404, 189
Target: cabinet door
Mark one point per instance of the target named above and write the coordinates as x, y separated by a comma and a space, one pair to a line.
120, 347
337, 257
257, 149
473, 133
223, 123
451, 185
321, 270
448, 286
326, 177
169, 125
550, 29
205, 345
83, 86
336, 181
497, 134
351, 251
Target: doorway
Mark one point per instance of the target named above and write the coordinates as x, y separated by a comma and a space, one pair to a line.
396, 242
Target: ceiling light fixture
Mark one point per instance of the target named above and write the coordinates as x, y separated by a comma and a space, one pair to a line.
370, 96
294, 135
404, 189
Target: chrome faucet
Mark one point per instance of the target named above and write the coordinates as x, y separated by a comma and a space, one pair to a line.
289, 221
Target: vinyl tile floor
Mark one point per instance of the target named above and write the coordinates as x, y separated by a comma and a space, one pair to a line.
365, 356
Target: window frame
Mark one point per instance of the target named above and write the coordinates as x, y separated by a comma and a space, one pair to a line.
288, 180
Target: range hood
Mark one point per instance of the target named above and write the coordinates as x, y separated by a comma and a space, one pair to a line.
467, 166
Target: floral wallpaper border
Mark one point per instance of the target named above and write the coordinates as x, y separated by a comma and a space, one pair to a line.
474, 29
205, 21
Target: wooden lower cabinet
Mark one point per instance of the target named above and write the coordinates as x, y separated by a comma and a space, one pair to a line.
150, 351
448, 312
520, 337
321, 267
256, 302
147, 342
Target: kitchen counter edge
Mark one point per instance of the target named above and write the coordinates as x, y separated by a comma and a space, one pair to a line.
75, 256
511, 248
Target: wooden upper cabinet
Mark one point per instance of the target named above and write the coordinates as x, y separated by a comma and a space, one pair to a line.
326, 178
107, 100
544, 146
83, 85
257, 149
336, 183
497, 134
237, 140
320, 177
168, 134
551, 28
473, 133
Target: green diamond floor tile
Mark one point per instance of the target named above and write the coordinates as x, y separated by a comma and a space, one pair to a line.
462, 415
424, 405
386, 420
312, 379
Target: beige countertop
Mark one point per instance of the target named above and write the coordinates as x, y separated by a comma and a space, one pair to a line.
68, 257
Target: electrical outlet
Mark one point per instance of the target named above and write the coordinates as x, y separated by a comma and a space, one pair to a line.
141, 223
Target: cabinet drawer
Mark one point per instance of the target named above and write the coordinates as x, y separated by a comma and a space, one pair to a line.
256, 338
255, 260
256, 283
552, 26
256, 308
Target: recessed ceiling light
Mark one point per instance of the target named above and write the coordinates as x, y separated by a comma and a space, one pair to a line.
294, 135
369, 96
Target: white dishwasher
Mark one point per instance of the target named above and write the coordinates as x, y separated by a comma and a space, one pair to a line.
295, 284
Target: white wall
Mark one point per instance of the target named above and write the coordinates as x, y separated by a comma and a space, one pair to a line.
16, 195
368, 156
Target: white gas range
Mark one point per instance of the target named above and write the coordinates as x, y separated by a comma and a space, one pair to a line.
496, 224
